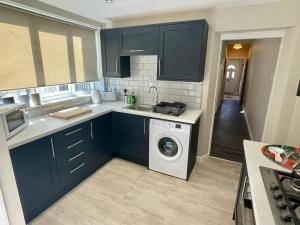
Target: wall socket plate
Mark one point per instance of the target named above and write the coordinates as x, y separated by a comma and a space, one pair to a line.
298, 92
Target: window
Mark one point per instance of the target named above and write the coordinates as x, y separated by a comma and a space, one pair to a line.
37, 51
230, 74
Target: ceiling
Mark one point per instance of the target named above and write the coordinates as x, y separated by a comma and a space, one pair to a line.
99, 9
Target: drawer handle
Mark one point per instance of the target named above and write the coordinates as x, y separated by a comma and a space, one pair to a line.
76, 156
158, 67
74, 131
52, 146
73, 145
77, 168
116, 66
136, 50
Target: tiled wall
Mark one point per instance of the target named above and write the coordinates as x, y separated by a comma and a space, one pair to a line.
143, 76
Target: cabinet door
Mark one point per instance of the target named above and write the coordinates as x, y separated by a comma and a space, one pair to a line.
139, 41
36, 176
101, 150
131, 138
112, 64
182, 51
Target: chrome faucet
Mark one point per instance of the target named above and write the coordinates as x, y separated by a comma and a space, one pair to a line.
155, 88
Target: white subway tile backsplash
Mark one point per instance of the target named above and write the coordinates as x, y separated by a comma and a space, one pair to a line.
144, 75
195, 93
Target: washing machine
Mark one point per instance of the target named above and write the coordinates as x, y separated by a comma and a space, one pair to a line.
169, 147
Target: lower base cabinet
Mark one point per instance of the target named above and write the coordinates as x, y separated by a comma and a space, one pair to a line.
50, 167
102, 132
131, 138
36, 175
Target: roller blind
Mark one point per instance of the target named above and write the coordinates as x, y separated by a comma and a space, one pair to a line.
37, 51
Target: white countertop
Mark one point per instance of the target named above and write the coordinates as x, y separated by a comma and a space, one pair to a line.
255, 159
42, 126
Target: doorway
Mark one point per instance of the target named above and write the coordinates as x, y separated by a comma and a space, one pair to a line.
244, 90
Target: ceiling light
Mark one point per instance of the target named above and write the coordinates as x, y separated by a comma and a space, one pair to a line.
109, 1
237, 46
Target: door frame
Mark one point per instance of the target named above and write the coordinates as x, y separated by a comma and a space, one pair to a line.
264, 34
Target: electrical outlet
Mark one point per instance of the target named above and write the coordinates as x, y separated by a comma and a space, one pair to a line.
298, 92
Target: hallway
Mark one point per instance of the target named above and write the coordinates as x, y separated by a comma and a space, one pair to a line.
230, 129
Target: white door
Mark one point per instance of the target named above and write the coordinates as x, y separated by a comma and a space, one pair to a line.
234, 69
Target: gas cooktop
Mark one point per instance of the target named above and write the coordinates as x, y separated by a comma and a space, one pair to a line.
283, 190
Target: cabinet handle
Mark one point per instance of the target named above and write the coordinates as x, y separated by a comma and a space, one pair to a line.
117, 66
77, 168
136, 50
92, 132
158, 67
52, 146
73, 145
74, 131
76, 156
243, 190
144, 126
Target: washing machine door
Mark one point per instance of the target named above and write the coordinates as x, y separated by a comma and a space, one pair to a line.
169, 147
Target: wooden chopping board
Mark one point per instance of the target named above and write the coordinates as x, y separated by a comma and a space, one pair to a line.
70, 113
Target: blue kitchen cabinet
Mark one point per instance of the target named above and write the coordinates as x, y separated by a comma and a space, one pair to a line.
36, 175
182, 51
72, 147
139, 40
50, 167
101, 150
113, 64
131, 138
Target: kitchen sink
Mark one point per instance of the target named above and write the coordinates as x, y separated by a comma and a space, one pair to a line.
145, 108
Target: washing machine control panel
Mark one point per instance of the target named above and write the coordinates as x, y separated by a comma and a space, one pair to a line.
167, 125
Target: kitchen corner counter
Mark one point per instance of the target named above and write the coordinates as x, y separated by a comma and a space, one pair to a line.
255, 159
42, 126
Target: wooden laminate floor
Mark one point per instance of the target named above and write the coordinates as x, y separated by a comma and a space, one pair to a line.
124, 193
230, 130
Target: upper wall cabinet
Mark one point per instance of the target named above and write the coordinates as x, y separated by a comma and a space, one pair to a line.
139, 41
113, 65
182, 51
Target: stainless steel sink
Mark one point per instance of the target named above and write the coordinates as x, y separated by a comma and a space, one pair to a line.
145, 108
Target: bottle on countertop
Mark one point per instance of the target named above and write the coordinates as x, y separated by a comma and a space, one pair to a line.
125, 96
133, 98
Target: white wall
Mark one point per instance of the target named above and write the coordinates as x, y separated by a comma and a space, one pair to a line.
259, 81
8, 184
282, 15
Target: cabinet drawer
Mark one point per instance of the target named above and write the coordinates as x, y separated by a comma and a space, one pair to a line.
69, 137
76, 160
75, 173
72, 153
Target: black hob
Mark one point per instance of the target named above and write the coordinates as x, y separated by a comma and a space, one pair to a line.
283, 190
